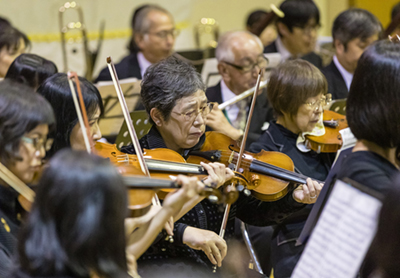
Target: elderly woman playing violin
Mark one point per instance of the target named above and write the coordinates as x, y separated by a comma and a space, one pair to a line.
173, 95
25, 120
68, 134
297, 92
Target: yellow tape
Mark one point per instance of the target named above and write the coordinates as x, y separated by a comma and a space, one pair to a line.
76, 36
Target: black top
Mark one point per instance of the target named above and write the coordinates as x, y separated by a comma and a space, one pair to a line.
262, 111
127, 68
10, 214
206, 215
336, 84
311, 57
369, 169
375, 172
313, 165
21, 274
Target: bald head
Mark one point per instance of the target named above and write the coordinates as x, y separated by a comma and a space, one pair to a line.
240, 57
239, 41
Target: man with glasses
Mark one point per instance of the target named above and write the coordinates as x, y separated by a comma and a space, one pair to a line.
297, 32
153, 38
240, 58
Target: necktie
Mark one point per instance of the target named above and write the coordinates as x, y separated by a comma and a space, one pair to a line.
240, 121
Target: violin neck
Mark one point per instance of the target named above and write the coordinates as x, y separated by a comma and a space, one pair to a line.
137, 182
174, 167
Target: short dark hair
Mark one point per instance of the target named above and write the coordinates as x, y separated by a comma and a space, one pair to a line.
4, 22
255, 17
57, 91
76, 225
31, 69
21, 110
292, 83
298, 13
166, 82
373, 102
395, 10
10, 38
355, 23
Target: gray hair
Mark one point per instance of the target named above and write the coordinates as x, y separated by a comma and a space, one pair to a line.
142, 24
355, 23
224, 48
166, 82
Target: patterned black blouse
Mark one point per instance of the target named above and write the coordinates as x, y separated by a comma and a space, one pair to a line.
208, 216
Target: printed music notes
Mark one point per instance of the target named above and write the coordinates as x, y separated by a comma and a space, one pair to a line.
343, 233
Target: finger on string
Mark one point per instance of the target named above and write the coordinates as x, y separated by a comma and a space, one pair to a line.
310, 185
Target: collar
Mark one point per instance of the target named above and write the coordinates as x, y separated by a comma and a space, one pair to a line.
285, 54
232, 111
143, 63
347, 76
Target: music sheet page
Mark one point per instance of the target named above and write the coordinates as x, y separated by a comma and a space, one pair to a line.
342, 235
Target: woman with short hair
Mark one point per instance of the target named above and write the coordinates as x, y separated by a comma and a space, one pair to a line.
297, 91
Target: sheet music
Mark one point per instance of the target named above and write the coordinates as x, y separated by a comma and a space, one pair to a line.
112, 119
342, 235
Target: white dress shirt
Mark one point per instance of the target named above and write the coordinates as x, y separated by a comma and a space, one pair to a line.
143, 63
347, 76
232, 111
285, 54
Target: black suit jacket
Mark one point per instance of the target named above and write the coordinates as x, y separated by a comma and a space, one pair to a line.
127, 68
336, 84
262, 111
311, 57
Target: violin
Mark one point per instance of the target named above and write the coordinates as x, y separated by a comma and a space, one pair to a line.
268, 19
162, 163
270, 175
332, 140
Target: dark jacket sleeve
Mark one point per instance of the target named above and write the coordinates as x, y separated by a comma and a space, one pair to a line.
5, 262
259, 213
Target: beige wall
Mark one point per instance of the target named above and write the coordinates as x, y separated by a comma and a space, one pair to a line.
39, 19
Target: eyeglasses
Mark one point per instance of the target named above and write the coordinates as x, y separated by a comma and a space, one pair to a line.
324, 101
164, 34
39, 143
192, 115
262, 63
308, 29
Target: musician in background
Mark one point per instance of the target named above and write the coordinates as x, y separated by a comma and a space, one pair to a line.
12, 43
268, 35
353, 31
31, 69
25, 120
297, 32
240, 59
154, 36
297, 92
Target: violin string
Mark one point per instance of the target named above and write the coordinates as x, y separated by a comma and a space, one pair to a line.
261, 163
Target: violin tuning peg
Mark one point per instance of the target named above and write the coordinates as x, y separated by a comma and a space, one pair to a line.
213, 199
240, 187
246, 192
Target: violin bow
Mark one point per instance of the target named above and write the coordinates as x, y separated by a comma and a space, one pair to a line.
13, 181
240, 155
80, 109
